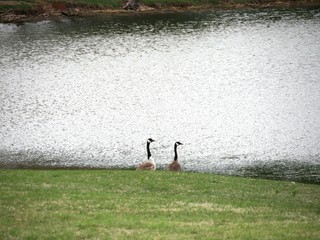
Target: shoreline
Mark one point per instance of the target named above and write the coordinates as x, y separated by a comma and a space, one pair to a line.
52, 12
303, 172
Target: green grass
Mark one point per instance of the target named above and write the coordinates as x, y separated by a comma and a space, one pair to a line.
19, 6
177, 2
122, 204
100, 3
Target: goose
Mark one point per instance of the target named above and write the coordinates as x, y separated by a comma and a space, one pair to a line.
175, 165
149, 164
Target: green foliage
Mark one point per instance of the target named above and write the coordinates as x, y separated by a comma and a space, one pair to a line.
33, 4
18, 6
179, 2
103, 204
100, 3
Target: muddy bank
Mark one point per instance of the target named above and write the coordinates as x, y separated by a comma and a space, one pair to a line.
58, 10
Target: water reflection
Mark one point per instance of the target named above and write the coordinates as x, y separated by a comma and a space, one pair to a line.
238, 87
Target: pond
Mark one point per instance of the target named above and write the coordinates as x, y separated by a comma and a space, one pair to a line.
239, 88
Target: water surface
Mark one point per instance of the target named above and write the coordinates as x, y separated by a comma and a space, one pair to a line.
240, 89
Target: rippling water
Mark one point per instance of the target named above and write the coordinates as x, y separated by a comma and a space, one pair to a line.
240, 89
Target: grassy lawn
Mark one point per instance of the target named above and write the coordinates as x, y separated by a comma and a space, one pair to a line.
122, 204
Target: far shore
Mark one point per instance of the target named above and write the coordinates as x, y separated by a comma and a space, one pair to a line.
52, 12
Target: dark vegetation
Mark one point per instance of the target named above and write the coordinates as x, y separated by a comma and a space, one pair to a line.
33, 10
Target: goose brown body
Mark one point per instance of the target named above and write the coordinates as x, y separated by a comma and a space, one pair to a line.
175, 166
149, 164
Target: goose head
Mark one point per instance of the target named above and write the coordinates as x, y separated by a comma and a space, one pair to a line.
150, 140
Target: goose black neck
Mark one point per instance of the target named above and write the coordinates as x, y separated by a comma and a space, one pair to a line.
148, 150
175, 153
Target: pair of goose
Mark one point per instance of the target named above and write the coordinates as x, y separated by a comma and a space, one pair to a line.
151, 165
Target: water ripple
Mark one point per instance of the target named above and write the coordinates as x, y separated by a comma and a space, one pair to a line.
239, 88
